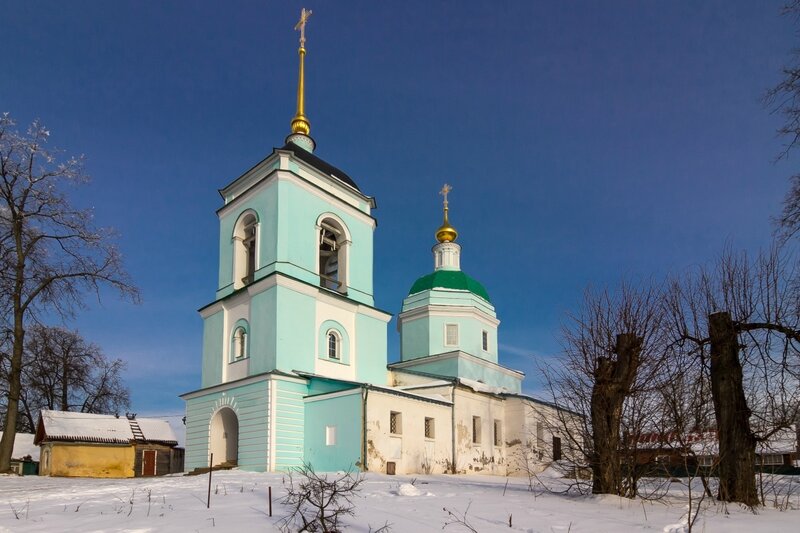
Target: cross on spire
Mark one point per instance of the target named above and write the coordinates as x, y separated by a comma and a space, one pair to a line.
301, 25
446, 189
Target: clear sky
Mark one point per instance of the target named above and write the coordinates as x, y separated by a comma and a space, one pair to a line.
585, 142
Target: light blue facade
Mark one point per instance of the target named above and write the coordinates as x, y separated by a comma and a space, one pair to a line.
342, 415
250, 403
272, 230
295, 264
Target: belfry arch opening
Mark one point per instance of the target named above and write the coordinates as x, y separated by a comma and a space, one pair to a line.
332, 255
245, 249
224, 437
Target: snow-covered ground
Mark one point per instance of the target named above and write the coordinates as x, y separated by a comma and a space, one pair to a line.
239, 504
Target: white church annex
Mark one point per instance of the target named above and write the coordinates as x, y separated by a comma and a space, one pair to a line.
294, 363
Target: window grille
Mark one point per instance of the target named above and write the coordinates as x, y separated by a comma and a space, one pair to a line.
429, 428
395, 423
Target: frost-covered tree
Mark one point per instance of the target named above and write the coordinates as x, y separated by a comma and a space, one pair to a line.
51, 252
61, 371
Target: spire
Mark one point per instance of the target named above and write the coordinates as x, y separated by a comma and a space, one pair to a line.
447, 252
301, 127
446, 232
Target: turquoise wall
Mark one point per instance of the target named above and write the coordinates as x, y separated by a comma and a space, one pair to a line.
265, 204
298, 211
425, 336
462, 367
213, 337
344, 412
263, 336
289, 423
372, 350
251, 405
295, 314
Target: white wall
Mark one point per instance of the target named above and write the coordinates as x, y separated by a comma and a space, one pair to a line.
410, 450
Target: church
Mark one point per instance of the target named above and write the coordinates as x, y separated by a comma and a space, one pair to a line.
294, 362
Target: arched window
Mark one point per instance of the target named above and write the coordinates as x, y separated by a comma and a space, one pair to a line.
332, 255
239, 343
245, 253
334, 345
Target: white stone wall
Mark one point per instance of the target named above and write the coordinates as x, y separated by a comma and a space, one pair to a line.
409, 449
529, 441
481, 457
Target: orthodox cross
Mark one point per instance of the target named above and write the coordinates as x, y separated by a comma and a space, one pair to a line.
446, 189
301, 25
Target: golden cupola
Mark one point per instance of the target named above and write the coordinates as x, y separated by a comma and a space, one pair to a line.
446, 232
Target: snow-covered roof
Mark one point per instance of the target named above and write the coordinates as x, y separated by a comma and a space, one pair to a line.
87, 427
23, 446
154, 429
477, 386
705, 443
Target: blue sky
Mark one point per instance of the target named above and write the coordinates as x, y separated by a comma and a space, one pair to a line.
585, 142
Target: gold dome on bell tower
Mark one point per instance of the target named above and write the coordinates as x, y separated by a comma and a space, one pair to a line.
446, 232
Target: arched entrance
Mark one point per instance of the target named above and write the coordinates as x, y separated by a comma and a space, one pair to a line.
224, 437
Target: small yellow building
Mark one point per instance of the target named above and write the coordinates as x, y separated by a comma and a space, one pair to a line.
105, 446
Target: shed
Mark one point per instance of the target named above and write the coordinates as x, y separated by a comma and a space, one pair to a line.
91, 445
25, 456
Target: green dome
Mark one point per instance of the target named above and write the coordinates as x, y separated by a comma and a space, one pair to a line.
449, 279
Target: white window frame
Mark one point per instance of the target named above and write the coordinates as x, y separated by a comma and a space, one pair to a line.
338, 345
447, 337
243, 344
330, 435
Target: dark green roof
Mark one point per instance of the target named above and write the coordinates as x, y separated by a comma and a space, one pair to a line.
449, 279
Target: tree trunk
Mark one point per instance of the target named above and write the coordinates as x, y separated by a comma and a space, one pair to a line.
14, 389
737, 444
612, 384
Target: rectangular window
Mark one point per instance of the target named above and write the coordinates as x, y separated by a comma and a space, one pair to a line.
330, 435
485, 341
430, 430
662, 459
395, 423
451, 335
556, 448
476, 430
705, 460
772, 459
498, 433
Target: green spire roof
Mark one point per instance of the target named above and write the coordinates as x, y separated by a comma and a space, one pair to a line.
449, 279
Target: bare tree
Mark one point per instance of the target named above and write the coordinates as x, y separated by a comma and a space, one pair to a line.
51, 253
741, 320
784, 99
318, 502
60, 370
612, 351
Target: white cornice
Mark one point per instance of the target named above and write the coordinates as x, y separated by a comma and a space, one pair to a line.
241, 383
438, 310
328, 396
279, 279
458, 354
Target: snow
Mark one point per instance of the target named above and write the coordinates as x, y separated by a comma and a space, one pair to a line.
418, 504
477, 386
64, 425
154, 429
23, 446
85, 426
